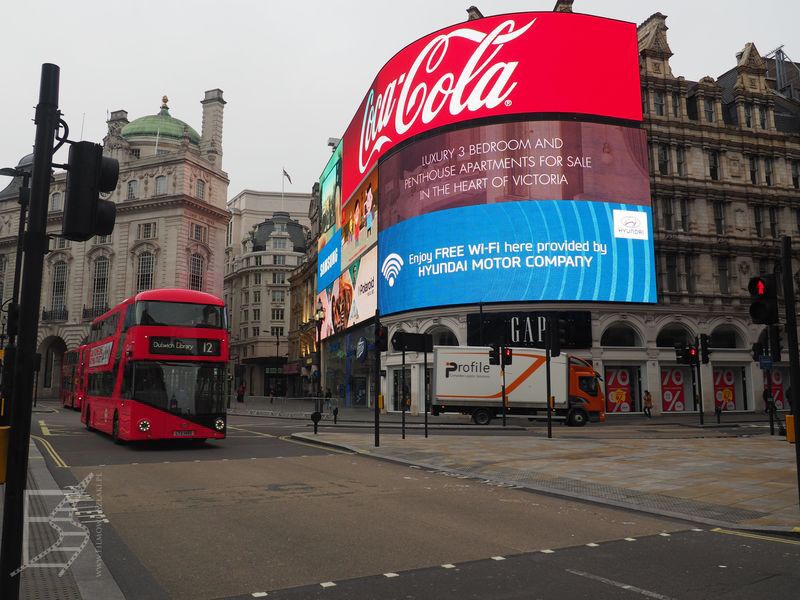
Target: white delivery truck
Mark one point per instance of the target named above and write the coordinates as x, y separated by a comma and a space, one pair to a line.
465, 382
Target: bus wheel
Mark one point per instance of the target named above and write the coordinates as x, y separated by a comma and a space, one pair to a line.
481, 416
115, 430
88, 419
577, 418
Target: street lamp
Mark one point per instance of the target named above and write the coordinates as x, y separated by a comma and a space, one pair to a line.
319, 317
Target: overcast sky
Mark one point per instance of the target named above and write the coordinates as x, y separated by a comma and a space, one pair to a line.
293, 73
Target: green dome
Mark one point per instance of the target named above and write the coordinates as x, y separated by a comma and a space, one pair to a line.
161, 125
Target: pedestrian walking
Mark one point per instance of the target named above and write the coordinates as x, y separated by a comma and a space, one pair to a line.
767, 397
328, 397
240, 392
648, 404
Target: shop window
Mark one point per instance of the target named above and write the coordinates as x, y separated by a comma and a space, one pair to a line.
621, 336
674, 334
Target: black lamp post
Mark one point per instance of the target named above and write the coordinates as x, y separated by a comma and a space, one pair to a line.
319, 317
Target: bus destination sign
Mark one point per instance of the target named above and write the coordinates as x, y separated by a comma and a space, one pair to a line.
184, 346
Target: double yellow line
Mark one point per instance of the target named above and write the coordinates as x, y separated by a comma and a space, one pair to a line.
59, 462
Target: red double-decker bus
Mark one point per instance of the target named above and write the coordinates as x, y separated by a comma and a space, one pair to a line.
153, 367
69, 393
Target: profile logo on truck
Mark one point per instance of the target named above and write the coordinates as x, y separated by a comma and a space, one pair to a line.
471, 369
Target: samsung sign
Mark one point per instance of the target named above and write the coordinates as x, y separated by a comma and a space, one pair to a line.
329, 262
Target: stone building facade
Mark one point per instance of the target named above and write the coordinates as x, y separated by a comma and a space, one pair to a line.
169, 232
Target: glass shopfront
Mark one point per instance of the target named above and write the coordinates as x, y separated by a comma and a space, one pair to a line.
623, 389
676, 389
729, 388
349, 367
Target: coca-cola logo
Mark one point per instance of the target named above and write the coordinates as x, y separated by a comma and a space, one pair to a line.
427, 88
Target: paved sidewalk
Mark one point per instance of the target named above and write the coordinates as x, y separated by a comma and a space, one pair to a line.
87, 578
707, 476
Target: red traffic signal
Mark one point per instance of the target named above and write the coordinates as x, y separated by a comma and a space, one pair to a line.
764, 299
507, 355
381, 338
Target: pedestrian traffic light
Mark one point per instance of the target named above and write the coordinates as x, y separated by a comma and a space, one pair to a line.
764, 299
758, 351
88, 174
681, 354
775, 347
494, 355
507, 355
381, 337
693, 356
705, 352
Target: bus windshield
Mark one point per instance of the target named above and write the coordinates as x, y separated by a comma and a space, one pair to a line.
182, 388
179, 314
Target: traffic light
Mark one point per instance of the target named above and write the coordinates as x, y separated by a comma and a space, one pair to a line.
557, 328
681, 354
88, 174
758, 351
508, 355
764, 299
494, 355
705, 352
775, 348
381, 337
693, 358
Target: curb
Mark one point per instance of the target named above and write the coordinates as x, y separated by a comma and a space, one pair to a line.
308, 438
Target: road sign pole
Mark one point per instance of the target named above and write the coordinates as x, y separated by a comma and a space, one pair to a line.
425, 385
699, 377
794, 357
403, 394
547, 346
377, 381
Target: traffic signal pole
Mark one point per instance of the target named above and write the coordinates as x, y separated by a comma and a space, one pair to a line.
696, 365
35, 246
377, 380
794, 357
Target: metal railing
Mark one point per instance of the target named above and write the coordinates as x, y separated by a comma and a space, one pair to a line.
94, 312
56, 314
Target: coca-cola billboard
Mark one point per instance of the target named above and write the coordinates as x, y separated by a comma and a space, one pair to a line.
502, 65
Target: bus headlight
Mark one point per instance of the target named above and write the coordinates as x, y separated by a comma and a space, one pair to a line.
219, 424
144, 425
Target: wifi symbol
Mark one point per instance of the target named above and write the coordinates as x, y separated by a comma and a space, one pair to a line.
391, 267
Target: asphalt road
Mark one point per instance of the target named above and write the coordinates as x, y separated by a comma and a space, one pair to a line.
259, 513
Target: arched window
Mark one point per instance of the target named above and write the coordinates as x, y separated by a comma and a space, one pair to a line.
55, 202
100, 284
620, 335
442, 336
144, 272
197, 267
673, 334
726, 336
58, 292
161, 185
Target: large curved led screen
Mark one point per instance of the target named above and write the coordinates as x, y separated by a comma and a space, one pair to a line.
525, 211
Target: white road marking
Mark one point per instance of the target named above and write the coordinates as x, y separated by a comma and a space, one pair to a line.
630, 539
624, 586
498, 558
664, 534
390, 575
327, 584
695, 529
547, 551
448, 566
259, 594
593, 545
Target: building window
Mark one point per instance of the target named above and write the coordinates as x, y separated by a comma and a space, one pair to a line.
161, 185
133, 189
199, 232
658, 101
277, 314
709, 110
676, 104
256, 314
667, 213
773, 221
276, 331
279, 259
753, 170
58, 290
722, 270
689, 266
229, 234
278, 278
256, 331
758, 219
55, 202
684, 214
795, 174
102, 239
663, 159
672, 273
762, 117
197, 267
278, 296
797, 217
100, 283
719, 217
2, 278
257, 279
146, 231
245, 315
768, 170
748, 114
256, 296
680, 154
61, 243
258, 261
279, 243
201, 189
136, 153
645, 101
713, 165
144, 272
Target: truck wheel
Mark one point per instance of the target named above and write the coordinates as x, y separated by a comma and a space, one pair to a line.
577, 418
481, 416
